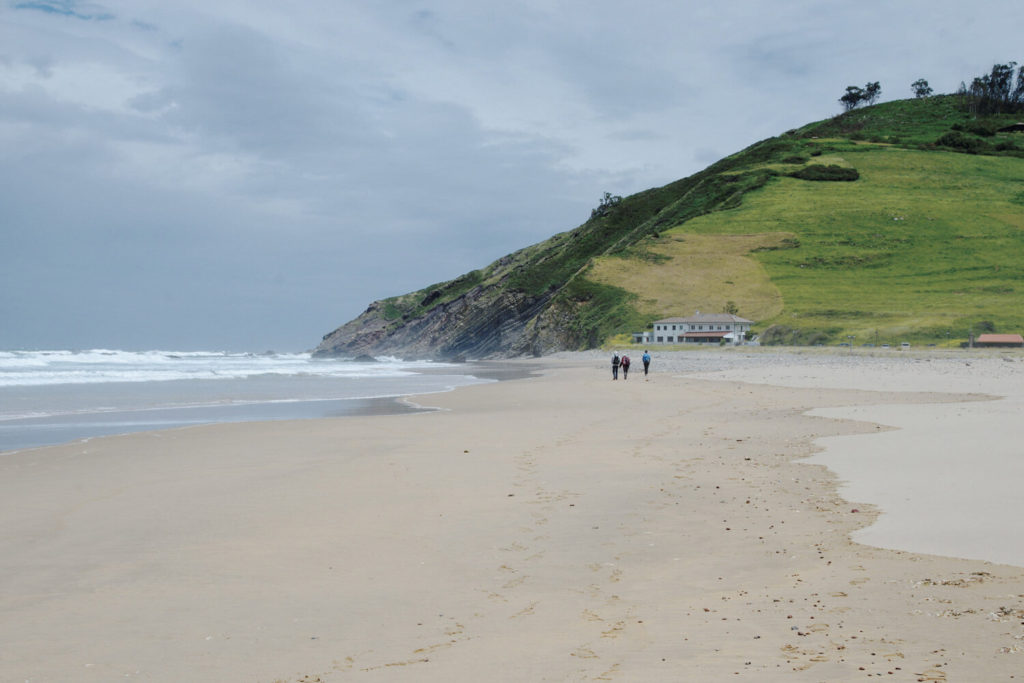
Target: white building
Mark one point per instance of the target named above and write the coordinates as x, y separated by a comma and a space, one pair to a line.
700, 328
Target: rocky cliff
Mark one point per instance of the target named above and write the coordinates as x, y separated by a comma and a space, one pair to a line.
484, 322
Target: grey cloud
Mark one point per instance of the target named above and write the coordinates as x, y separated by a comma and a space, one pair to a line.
238, 85
67, 8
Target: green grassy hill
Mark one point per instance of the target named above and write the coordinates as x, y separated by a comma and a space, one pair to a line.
923, 243
898, 222
925, 246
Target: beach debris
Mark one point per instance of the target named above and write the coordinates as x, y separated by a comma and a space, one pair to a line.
975, 577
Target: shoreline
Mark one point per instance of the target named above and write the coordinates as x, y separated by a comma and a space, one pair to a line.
562, 527
29, 432
943, 474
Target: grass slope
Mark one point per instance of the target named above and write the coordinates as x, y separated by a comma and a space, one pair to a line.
690, 272
924, 243
925, 246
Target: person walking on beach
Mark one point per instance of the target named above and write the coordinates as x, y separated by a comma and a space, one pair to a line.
615, 365
647, 361
624, 363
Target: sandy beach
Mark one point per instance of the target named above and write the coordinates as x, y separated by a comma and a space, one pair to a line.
741, 515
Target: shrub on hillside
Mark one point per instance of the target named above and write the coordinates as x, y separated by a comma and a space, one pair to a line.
985, 129
957, 140
391, 311
828, 173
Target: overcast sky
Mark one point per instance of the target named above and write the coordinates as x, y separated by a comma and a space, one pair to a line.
248, 175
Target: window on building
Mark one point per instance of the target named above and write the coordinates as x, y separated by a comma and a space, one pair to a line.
661, 339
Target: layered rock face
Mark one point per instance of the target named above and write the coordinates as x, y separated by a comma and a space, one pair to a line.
485, 322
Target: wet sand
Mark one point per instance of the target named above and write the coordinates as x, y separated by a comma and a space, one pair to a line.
557, 528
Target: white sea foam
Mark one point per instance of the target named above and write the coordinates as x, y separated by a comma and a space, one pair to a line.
54, 396
93, 366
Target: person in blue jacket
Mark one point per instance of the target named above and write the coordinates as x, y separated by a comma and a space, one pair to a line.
647, 361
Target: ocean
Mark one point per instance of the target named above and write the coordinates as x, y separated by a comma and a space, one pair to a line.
53, 397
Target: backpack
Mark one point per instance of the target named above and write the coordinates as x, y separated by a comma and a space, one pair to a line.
625, 361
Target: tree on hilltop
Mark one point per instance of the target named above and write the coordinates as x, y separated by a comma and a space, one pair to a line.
872, 91
997, 92
608, 202
921, 88
855, 96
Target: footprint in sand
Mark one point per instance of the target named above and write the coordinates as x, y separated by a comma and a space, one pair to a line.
513, 547
525, 612
608, 675
615, 630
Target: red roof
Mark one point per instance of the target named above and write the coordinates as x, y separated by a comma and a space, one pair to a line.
1000, 339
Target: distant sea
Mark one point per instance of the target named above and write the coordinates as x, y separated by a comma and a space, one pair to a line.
52, 397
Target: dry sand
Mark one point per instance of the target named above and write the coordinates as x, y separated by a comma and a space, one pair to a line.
560, 528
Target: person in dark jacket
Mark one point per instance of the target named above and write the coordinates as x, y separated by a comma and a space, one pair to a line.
624, 364
615, 365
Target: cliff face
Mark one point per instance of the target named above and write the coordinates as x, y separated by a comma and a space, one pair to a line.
485, 322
